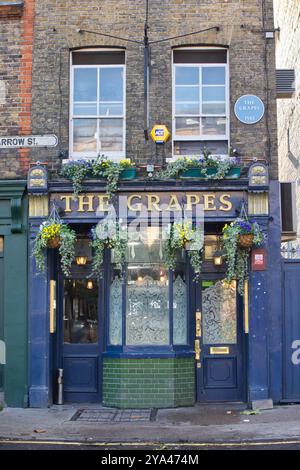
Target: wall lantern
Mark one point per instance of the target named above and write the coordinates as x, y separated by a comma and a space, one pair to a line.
82, 251
258, 177
90, 285
218, 255
81, 260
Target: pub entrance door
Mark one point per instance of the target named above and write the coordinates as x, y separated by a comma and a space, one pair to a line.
80, 348
220, 371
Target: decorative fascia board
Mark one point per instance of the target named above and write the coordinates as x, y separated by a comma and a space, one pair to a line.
14, 190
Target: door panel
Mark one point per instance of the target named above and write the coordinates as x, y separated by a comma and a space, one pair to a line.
81, 340
219, 367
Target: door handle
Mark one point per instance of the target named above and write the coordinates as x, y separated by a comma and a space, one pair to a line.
197, 349
198, 324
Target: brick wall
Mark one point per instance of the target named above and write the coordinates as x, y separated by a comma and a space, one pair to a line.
287, 17
16, 26
55, 33
148, 383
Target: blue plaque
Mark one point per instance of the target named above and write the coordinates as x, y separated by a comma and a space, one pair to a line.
249, 109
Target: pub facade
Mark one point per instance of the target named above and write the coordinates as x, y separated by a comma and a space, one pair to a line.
161, 95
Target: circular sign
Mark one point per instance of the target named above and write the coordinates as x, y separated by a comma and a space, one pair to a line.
249, 109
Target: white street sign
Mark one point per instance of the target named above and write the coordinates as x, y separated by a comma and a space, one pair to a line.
28, 141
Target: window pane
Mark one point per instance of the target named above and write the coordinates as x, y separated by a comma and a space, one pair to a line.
85, 84
147, 291
85, 135
111, 109
187, 126
185, 93
214, 126
213, 75
213, 93
216, 147
179, 303
115, 309
80, 311
111, 134
85, 109
213, 108
111, 84
187, 108
219, 312
187, 75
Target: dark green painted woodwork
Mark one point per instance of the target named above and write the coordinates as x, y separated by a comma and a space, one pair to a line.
149, 383
1, 317
13, 225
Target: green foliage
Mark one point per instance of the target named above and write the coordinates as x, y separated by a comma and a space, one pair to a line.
237, 257
175, 168
49, 230
183, 235
108, 234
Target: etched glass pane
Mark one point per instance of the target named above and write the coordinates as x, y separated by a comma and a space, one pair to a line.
219, 312
179, 304
115, 311
80, 311
147, 291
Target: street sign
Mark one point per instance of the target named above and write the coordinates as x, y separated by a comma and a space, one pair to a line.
249, 109
160, 134
28, 141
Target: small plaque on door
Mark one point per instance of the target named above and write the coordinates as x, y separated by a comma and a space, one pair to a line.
219, 350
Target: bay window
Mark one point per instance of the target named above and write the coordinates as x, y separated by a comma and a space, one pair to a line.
97, 113
200, 102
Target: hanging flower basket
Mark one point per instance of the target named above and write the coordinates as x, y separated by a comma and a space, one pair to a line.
54, 242
53, 233
246, 240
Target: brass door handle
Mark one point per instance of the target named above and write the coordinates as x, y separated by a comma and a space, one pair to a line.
197, 349
198, 324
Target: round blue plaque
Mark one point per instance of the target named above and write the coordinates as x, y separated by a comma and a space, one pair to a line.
249, 109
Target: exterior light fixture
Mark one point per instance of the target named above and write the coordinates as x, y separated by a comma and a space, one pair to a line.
81, 260
218, 255
90, 285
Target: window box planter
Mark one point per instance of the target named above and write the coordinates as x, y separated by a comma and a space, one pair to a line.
233, 173
128, 174
192, 173
211, 171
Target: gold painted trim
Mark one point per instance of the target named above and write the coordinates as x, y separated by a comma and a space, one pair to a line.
246, 306
219, 350
52, 305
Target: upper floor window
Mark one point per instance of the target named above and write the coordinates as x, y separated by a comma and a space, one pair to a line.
200, 101
97, 114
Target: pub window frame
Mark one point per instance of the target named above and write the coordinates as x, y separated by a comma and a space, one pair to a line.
200, 137
86, 155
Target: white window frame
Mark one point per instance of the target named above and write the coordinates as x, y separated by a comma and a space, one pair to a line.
202, 137
118, 155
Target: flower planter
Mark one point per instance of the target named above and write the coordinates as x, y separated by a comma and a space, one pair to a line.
211, 171
233, 173
128, 174
192, 173
246, 241
53, 242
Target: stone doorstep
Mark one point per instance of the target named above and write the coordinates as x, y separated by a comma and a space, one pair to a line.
262, 404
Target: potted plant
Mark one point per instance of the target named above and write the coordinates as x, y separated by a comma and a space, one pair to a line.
128, 169
76, 171
108, 233
182, 235
234, 171
184, 167
238, 239
219, 167
55, 234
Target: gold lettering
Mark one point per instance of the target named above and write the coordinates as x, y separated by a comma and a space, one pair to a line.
138, 206
82, 203
209, 202
103, 203
227, 205
68, 202
192, 200
173, 204
153, 202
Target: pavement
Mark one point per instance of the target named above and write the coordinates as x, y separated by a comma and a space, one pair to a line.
205, 425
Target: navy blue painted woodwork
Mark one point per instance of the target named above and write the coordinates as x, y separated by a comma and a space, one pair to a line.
291, 389
220, 377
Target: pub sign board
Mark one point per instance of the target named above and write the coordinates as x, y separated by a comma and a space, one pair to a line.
214, 204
